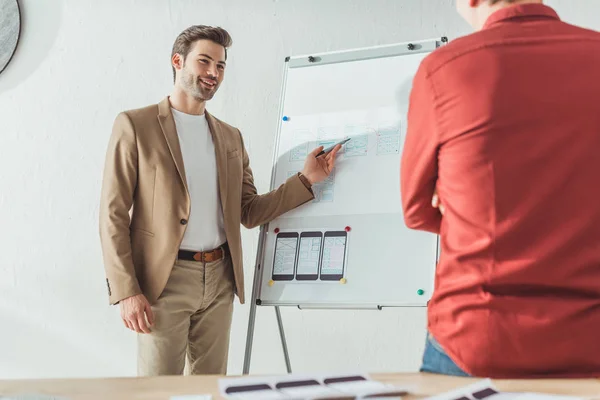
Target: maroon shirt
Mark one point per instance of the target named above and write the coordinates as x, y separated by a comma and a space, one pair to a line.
505, 124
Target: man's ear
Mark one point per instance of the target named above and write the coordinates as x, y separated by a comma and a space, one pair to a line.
177, 61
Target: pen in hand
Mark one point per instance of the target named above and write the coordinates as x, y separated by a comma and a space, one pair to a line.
327, 150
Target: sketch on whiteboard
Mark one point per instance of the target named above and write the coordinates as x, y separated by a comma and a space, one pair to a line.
299, 153
326, 143
324, 190
308, 256
374, 146
333, 258
358, 146
329, 143
328, 132
285, 256
388, 140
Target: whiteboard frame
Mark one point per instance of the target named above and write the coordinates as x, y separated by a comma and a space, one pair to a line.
302, 62
319, 59
365, 53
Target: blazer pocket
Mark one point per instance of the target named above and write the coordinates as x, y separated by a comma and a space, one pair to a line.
144, 232
233, 153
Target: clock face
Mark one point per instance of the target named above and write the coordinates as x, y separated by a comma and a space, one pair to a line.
10, 29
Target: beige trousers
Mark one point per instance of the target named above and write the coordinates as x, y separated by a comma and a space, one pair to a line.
193, 318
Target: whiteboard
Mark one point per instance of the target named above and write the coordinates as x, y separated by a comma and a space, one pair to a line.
349, 247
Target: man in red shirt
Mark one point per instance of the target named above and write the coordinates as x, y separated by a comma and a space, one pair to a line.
504, 129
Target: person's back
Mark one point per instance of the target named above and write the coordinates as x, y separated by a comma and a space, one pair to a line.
517, 120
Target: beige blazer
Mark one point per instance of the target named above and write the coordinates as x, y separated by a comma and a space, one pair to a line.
145, 202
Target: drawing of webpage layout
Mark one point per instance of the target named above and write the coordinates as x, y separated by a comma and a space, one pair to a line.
308, 255
284, 259
334, 254
366, 178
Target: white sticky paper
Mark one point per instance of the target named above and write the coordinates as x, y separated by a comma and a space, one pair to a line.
368, 164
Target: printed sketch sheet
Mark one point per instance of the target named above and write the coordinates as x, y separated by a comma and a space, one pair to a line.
366, 179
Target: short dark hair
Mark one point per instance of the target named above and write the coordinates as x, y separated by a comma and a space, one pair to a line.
188, 37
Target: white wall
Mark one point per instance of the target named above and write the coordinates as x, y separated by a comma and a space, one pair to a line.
79, 63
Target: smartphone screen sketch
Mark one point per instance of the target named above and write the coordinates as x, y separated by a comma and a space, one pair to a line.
333, 256
308, 256
284, 261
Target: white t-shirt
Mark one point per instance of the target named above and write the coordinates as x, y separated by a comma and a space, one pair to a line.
205, 228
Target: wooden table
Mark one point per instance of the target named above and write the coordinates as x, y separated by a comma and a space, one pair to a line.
161, 388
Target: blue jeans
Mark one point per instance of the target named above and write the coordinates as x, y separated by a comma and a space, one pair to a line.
435, 360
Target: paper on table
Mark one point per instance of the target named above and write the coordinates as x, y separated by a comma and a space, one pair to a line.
307, 387
485, 390
192, 397
357, 384
304, 388
249, 389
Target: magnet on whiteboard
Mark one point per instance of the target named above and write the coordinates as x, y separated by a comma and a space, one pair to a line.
286, 118
343, 281
271, 282
276, 230
348, 229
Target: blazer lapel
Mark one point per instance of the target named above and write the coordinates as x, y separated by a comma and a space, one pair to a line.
221, 156
167, 123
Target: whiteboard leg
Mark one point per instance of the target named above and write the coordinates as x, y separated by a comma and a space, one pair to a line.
286, 355
249, 337
252, 317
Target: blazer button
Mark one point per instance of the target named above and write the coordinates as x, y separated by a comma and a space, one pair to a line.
183, 221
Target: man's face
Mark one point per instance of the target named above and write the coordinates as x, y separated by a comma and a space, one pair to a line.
203, 70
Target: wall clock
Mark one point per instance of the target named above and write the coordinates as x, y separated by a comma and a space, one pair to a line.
10, 30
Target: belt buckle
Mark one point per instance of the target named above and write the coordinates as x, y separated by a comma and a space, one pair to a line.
204, 254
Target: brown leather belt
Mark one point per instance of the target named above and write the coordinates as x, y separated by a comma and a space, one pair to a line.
203, 256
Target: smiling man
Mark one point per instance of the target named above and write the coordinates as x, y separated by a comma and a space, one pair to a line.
177, 185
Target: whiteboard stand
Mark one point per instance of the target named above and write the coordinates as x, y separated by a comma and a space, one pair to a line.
252, 318
265, 243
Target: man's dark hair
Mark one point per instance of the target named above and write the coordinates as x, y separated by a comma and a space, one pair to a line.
191, 35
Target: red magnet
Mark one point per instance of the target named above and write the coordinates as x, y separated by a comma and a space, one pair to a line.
276, 230
348, 229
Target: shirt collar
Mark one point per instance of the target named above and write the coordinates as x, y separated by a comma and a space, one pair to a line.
521, 11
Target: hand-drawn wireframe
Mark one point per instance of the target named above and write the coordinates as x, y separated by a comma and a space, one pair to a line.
299, 153
285, 255
325, 143
357, 146
324, 190
333, 255
328, 132
388, 139
308, 254
329, 143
